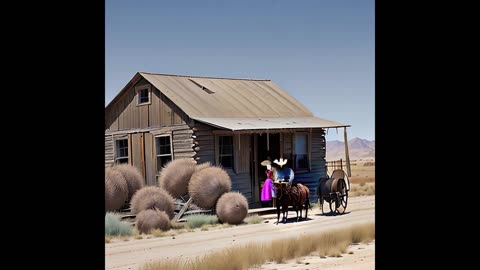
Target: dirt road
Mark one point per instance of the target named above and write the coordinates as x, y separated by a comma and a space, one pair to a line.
132, 254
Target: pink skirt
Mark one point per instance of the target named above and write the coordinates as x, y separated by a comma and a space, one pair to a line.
267, 190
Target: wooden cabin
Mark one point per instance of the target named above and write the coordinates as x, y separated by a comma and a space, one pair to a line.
235, 123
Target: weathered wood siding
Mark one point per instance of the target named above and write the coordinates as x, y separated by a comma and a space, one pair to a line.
126, 114
137, 158
109, 152
241, 176
142, 148
317, 163
206, 142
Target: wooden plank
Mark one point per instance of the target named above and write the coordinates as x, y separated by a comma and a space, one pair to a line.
347, 156
130, 152
256, 184
182, 137
150, 160
187, 130
184, 155
182, 150
143, 116
190, 140
165, 111
184, 208
137, 159
243, 156
177, 115
187, 145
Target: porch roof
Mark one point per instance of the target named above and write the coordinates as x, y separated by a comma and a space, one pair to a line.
269, 123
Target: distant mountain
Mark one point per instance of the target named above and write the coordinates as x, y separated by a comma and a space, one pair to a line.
357, 148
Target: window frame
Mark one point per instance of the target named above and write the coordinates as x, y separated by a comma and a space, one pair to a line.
308, 153
140, 88
217, 151
117, 151
157, 149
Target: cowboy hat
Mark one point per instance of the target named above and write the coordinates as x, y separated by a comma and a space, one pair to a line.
280, 162
266, 162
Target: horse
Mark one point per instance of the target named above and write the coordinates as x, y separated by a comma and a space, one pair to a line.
296, 195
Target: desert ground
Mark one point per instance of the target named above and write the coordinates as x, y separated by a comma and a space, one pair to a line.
133, 254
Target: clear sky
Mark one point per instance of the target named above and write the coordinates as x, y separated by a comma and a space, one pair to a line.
321, 52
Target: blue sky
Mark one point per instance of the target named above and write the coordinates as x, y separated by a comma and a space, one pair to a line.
320, 52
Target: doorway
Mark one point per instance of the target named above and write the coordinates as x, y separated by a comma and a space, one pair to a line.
266, 149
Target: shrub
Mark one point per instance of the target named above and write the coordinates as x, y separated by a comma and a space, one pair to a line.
150, 198
115, 227
116, 190
197, 221
207, 185
232, 208
148, 220
175, 176
133, 177
202, 166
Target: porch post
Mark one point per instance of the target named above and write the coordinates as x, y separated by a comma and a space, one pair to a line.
268, 141
347, 157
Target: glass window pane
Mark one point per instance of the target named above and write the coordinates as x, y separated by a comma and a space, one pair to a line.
162, 161
225, 151
163, 145
122, 148
143, 96
301, 161
226, 161
301, 144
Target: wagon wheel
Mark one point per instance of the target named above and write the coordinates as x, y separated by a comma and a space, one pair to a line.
342, 197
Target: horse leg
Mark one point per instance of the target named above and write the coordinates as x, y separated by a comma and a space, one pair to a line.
307, 205
278, 213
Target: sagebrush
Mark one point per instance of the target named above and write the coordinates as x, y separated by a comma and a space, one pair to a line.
114, 226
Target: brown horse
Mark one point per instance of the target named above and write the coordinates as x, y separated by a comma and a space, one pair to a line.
296, 195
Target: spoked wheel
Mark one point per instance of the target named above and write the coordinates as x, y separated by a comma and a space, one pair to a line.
342, 197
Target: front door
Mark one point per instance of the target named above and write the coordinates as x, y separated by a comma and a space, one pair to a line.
266, 148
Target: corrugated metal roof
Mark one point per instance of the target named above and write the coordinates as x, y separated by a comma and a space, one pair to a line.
221, 97
235, 104
269, 123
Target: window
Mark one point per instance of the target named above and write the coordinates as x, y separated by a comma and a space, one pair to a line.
164, 151
225, 151
301, 151
143, 94
121, 153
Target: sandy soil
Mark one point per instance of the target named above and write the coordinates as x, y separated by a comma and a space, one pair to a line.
131, 254
363, 258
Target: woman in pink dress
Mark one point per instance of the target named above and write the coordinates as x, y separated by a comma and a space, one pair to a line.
267, 189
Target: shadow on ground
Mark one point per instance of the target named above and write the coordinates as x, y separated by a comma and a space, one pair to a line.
332, 214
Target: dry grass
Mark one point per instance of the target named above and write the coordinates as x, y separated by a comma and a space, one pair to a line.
107, 239
157, 233
204, 228
333, 243
178, 225
362, 174
364, 189
253, 219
